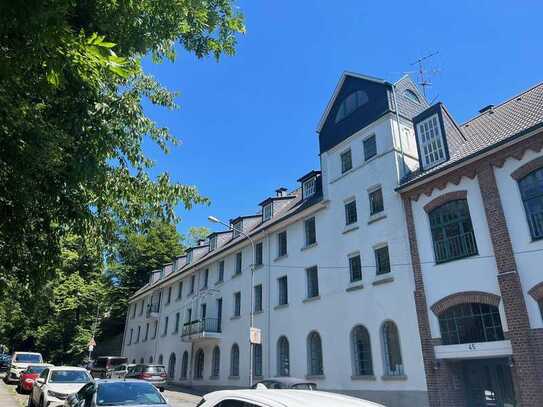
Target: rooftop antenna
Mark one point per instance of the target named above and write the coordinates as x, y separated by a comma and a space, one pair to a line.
423, 73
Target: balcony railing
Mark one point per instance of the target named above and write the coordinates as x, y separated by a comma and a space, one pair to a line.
152, 309
536, 224
455, 247
206, 325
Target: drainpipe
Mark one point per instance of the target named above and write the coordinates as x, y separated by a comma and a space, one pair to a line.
399, 132
268, 267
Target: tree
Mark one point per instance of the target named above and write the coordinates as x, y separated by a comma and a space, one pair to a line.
195, 233
72, 121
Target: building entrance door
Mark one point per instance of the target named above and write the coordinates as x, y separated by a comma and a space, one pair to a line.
489, 383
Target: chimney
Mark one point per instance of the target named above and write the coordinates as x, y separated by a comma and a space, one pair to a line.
280, 192
486, 108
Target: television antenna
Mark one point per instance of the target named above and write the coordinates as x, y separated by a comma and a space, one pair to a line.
422, 73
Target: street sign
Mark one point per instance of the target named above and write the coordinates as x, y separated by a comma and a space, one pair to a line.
255, 336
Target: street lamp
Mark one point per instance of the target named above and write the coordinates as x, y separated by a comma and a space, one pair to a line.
213, 219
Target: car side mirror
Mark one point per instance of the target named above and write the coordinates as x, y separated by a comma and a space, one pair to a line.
40, 380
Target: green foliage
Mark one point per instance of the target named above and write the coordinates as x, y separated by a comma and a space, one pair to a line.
194, 234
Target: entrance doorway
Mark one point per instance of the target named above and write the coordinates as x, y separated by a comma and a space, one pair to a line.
489, 383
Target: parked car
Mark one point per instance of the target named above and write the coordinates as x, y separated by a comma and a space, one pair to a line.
104, 365
155, 374
55, 384
121, 371
281, 398
19, 362
117, 393
5, 360
285, 383
29, 376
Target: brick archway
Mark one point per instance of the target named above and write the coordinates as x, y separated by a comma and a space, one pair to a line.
449, 301
443, 199
536, 292
527, 168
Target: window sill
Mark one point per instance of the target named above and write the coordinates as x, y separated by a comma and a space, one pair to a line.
311, 299
354, 287
281, 306
390, 378
315, 376
258, 266
235, 317
350, 228
363, 377
376, 217
383, 280
213, 377
233, 377
235, 275
309, 246
258, 312
283, 256
439, 263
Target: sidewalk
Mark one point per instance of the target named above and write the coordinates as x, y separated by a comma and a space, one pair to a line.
6, 398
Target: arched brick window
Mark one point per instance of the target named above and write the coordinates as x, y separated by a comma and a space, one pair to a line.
531, 191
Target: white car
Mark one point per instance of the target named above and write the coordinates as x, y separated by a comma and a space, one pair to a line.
20, 362
55, 384
281, 398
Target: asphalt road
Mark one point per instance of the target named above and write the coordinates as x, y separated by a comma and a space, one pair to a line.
175, 398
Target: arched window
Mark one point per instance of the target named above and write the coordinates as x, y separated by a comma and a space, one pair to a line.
216, 362
150, 359
412, 96
160, 360
361, 347
141, 361
283, 357
199, 364
531, 190
468, 323
184, 365
392, 353
133, 361
171, 366
350, 104
234, 361
452, 231
257, 360
314, 351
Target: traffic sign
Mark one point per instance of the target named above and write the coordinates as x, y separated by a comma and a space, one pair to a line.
255, 336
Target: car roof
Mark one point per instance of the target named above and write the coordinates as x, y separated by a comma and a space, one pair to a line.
27, 353
106, 381
286, 380
80, 369
291, 398
41, 365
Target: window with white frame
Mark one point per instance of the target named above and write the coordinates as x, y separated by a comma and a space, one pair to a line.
206, 278
220, 272
350, 212
237, 304
370, 147
189, 256
237, 228
283, 290
382, 260
258, 298
282, 244
312, 282
212, 243
310, 232
259, 254
239, 263
192, 283
309, 188
431, 143
267, 212
346, 161
376, 201
355, 267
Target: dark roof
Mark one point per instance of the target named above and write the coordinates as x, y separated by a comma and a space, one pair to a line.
512, 118
310, 174
257, 215
275, 198
407, 107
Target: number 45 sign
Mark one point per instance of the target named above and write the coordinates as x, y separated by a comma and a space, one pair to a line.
255, 336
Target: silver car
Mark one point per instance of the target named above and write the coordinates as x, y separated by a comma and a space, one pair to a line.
155, 374
111, 392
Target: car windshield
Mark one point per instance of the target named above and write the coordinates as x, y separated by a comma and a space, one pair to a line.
305, 386
28, 357
128, 394
154, 369
69, 376
35, 369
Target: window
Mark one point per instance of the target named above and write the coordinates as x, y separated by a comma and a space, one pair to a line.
283, 290
206, 278
531, 191
139, 332
199, 362
431, 143
171, 366
160, 359
382, 261
176, 328
412, 96
312, 282
166, 320
237, 228
234, 361
189, 315
391, 348
169, 297
370, 147
155, 329
180, 290
468, 323
189, 256
146, 332
310, 232
350, 104
258, 298
452, 232
258, 254
267, 212
216, 362
192, 283
283, 357
361, 351
309, 188
131, 334
141, 307
346, 161
257, 360
355, 268
134, 306
239, 262
314, 351
150, 359
203, 311
350, 212
282, 244
212, 243
184, 365
540, 304
376, 201
237, 304
220, 273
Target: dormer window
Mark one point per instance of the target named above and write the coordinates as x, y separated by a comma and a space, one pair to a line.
189, 256
431, 145
309, 188
351, 103
212, 243
267, 212
412, 96
237, 228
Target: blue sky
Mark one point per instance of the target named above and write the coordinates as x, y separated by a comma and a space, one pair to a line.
247, 124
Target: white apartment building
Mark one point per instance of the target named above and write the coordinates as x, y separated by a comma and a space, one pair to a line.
353, 288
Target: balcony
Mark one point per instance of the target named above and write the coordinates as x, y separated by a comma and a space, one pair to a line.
455, 247
153, 311
205, 329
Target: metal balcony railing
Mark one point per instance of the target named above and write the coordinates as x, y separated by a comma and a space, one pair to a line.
455, 247
211, 325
